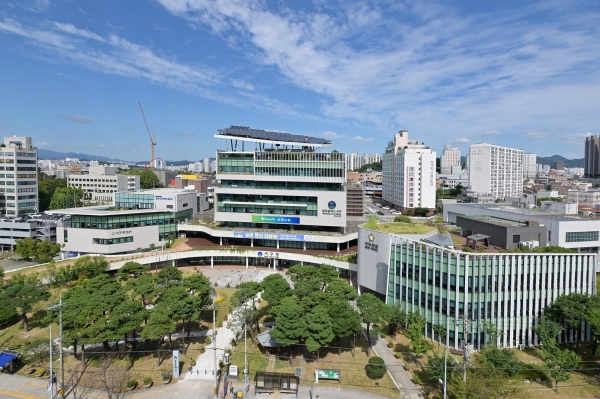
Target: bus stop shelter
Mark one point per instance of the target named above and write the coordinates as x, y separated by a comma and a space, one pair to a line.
270, 382
7, 358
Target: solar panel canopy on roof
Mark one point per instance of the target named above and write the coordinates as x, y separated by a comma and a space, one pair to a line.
247, 132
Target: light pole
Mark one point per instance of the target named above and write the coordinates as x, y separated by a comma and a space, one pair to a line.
51, 344
245, 351
62, 364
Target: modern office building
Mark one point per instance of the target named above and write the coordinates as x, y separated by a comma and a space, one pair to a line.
18, 176
103, 182
444, 285
496, 170
408, 173
503, 233
592, 156
529, 166
558, 165
165, 176
450, 157
135, 220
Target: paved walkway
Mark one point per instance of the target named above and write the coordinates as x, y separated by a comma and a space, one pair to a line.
205, 363
402, 378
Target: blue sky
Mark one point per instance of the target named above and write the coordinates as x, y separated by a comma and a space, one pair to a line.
516, 73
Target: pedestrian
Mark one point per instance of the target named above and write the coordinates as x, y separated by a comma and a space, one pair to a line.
231, 389
204, 371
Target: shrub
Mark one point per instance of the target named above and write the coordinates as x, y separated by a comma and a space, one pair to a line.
216, 284
131, 384
165, 375
228, 285
147, 380
416, 379
376, 368
467, 249
402, 219
208, 340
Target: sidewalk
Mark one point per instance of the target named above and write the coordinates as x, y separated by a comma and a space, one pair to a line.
402, 378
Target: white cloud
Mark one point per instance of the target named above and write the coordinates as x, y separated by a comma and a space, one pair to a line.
331, 135
77, 118
43, 143
491, 133
242, 85
101, 145
360, 138
536, 135
460, 141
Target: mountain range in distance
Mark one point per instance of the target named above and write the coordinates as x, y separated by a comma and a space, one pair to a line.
49, 154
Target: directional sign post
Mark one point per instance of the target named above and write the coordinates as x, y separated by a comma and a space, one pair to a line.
175, 364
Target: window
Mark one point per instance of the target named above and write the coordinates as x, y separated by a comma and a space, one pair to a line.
516, 238
582, 236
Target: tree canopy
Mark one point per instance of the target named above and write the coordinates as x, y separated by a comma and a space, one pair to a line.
148, 178
21, 298
66, 197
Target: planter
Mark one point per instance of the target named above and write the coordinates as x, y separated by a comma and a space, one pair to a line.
30, 371
130, 388
148, 385
165, 382
39, 375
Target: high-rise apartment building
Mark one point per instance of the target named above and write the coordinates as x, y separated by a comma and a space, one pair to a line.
496, 170
592, 156
18, 176
408, 179
529, 166
352, 161
450, 157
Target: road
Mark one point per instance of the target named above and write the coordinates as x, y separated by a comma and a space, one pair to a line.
20, 387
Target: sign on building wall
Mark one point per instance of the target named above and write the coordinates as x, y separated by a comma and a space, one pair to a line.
331, 210
273, 236
275, 219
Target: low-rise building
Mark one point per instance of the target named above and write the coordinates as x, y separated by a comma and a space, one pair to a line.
103, 182
506, 234
355, 200
135, 220
40, 227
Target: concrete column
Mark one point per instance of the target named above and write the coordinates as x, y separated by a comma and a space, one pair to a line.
347, 244
277, 244
220, 240
252, 242
246, 262
304, 243
173, 262
338, 247
212, 263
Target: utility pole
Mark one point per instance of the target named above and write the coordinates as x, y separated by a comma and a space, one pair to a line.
466, 325
216, 389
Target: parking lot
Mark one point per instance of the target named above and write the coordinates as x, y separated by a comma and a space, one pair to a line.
375, 206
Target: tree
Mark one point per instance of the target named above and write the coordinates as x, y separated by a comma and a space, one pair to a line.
46, 251
592, 317
148, 179
319, 331
132, 270
125, 318
47, 185
397, 319
305, 279
570, 309
87, 267
198, 285
41, 251
547, 330
66, 197
345, 320
22, 298
502, 359
435, 370
26, 248
560, 365
144, 286
339, 288
169, 274
481, 384
159, 324
275, 287
372, 311
439, 331
376, 368
290, 324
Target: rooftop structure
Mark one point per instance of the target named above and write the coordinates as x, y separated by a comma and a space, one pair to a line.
244, 133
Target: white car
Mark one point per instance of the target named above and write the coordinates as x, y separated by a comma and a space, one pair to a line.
386, 208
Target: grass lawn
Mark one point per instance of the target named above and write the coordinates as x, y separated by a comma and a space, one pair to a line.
398, 228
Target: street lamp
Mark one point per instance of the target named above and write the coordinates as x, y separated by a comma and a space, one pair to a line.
62, 365
51, 344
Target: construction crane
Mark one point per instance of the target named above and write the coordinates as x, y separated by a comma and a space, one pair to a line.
151, 136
